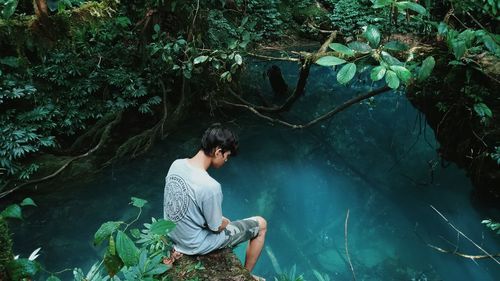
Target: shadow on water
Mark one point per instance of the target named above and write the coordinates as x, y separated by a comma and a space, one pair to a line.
378, 160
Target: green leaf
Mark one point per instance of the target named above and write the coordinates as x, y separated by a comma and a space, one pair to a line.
360, 47
402, 73
126, 249
12, 211
346, 73
407, 5
10, 61
442, 28
426, 69
390, 60
372, 34
105, 231
329, 61
53, 278
490, 44
343, 49
162, 227
392, 80
200, 59
377, 73
28, 202
396, 46
381, 3
22, 268
483, 110
156, 28
238, 59
9, 8
138, 202
112, 262
458, 48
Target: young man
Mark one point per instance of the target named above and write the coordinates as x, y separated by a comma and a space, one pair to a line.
193, 200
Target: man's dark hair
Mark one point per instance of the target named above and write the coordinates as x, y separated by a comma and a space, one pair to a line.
218, 136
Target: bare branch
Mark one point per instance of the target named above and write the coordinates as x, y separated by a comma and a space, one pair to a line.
323, 117
274, 58
346, 248
461, 233
472, 257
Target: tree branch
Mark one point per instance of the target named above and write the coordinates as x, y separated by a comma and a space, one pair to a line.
323, 117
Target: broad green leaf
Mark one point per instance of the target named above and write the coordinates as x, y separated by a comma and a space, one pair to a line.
483, 110
136, 233
105, 231
458, 48
346, 73
10, 61
402, 73
381, 3
53, 278
442, 28
28, 202
468, 36
412, 6
377, 73
329, 61
112, 262
390, 60
360, 47
12, 211
138, 202
200, 59
22, 268
396, 46
156, 28
127, 251
426, 69
343, 49
9, 8
238, 59
391, 79
490, 44
162, 227
372, 34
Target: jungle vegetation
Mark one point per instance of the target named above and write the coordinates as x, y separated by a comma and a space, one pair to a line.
103, 80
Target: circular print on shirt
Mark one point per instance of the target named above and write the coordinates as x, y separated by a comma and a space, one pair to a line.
177, 198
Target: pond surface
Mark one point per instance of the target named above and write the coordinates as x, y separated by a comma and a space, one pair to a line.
378, 161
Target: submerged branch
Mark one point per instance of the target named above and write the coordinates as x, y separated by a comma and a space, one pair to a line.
472, 257
461, 233
346, 248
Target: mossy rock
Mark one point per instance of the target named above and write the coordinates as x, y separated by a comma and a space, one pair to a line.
222, 265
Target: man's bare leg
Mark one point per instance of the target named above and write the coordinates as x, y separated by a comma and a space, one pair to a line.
255, 245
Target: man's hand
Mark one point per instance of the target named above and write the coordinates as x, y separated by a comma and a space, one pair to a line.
224, 224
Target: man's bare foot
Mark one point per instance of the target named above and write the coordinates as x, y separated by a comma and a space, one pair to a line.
174, 255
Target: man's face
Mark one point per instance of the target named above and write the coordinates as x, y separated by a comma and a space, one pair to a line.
220, 158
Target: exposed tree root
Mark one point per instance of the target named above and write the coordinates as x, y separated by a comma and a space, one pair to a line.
104, 137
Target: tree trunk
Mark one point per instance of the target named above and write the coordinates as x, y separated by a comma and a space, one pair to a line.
40, 7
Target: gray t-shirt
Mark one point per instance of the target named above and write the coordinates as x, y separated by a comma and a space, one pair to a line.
193, 200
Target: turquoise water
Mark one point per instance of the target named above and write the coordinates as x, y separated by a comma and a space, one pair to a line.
378, 161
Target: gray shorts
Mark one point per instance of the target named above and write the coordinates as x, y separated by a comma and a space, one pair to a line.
240, 231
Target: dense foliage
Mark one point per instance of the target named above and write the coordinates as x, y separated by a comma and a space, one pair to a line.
70, 68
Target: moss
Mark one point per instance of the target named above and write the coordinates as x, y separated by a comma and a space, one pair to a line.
219, 265
5, 248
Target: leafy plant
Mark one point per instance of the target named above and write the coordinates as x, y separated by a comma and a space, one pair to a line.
495, 226
394, 71
290, 275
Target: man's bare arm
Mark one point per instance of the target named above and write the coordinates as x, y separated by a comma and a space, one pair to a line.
224, 224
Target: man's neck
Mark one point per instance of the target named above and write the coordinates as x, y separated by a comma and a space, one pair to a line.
200, 160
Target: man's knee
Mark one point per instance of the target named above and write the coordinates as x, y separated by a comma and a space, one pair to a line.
262, 224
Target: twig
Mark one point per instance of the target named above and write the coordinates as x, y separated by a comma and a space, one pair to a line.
461, 233
346, 248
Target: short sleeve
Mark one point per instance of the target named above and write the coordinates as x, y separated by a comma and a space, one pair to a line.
212, 210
